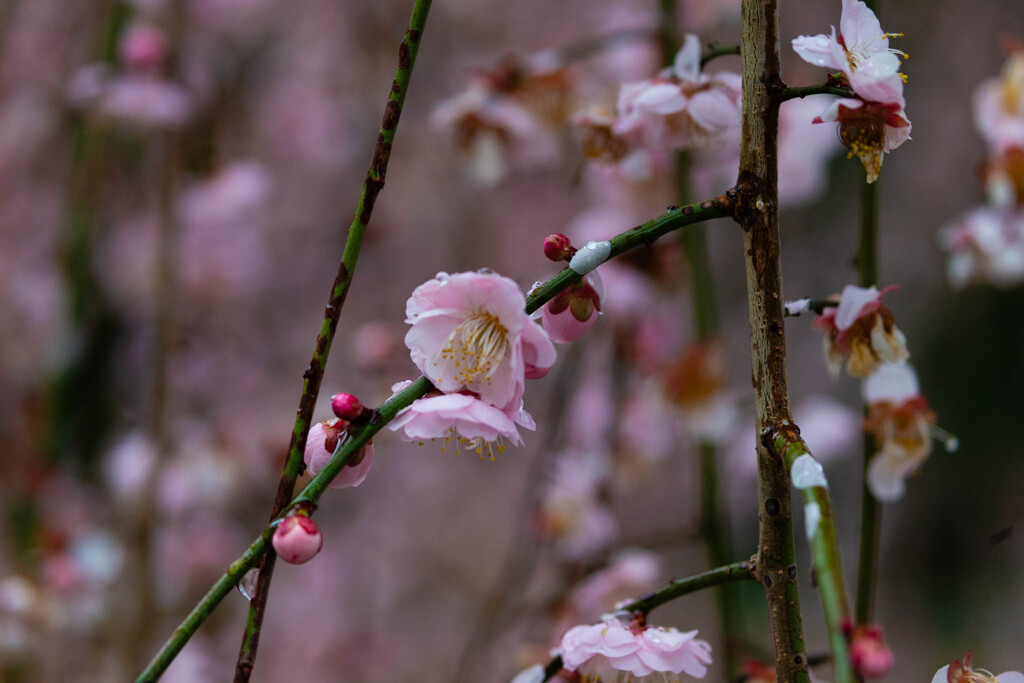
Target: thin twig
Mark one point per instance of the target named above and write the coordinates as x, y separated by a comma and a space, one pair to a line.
806, 90
375, 178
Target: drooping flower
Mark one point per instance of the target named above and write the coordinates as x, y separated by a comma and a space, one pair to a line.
612, 652
900, 420
297, 539
958, 672
462, 417
470, 332
323, 438
574, 310
868, 129
682, 107
861, 332
861, 52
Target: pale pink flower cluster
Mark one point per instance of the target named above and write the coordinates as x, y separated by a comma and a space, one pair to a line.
958, 672
861, 333
612, 652
508, 119
472, 338
987, 243
874, 122
571, 513
681, 108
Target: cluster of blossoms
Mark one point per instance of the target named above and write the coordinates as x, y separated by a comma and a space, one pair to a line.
987, 243
471, 337
875, 121
861, 333
680, 108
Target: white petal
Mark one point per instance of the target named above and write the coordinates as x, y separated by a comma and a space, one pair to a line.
852, 302
941, 675
892, 383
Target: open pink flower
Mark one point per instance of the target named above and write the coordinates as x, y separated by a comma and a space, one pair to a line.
964, 673
470, 331
463, 417
682, 107
320, 444
861, 332
861, 51
612, 652
868, 129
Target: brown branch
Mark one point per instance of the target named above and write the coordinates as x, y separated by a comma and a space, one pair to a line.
756, 210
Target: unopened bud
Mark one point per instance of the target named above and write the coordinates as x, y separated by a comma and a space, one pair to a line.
869, 655
297, 539
557, 247
346, 406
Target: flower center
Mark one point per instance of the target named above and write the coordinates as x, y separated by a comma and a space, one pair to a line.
859, 53
477, 347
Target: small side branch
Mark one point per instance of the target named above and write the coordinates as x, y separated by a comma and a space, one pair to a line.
805, 90
807, 476
715, 51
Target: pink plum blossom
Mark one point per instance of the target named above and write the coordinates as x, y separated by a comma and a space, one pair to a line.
999, 106
463, 416
868, 129
323, 438
508, 118
616, 653
965, 673
297, 539
470, 332
861, 332
985, 245
861, 52
571, 512
143, 47
900, 420
574, 310
681, 108
629, 574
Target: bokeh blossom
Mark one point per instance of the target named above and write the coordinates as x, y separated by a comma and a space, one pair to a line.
612, 652
861, 332
571, 513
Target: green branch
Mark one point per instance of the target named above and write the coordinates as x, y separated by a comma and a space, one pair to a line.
646, 233
787, 445
312, 377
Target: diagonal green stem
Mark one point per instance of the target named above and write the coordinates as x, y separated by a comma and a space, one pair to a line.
313, 375
644, 234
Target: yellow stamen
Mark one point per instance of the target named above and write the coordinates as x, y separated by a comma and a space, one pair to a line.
476, 347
